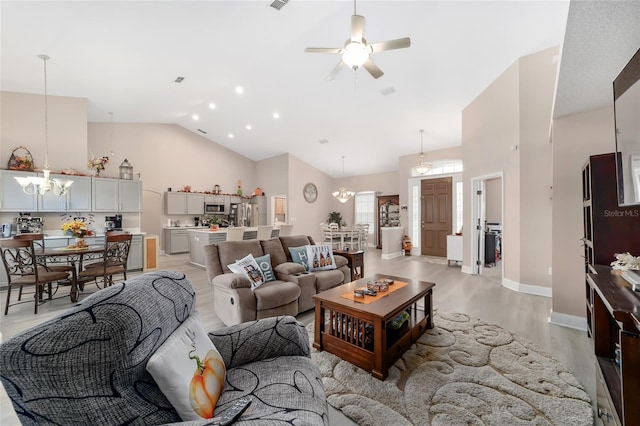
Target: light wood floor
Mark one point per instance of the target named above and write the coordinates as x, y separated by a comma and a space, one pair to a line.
478, 296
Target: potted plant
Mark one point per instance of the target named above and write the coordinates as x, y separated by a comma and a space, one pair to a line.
336, 217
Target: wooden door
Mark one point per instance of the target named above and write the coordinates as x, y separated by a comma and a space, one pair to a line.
436, 216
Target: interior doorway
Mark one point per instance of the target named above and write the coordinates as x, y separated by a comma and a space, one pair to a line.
436, 216
487, 225
279, 209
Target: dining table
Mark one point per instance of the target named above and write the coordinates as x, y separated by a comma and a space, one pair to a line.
344, 234
73, 256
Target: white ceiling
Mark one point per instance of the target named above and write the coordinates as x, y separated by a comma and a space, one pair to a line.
124, 57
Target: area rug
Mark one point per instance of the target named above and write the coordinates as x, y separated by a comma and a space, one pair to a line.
430, 259
462, 372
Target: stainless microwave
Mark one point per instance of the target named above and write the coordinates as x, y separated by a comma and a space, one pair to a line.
213, 208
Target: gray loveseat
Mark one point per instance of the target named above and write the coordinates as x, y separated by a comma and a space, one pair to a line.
233, 300
87, 365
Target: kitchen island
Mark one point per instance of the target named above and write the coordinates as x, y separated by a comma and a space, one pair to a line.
200, 237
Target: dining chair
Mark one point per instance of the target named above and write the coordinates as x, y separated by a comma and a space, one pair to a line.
235, 233
352, 239
19, 259
328, 236
264, 232
285, 230
114, 261
364, 236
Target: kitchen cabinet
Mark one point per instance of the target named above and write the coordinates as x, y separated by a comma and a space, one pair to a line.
195, 204
116, 195
176, 241
175, 203
454, 248
197, 241
12, 198
77, 199
135, 262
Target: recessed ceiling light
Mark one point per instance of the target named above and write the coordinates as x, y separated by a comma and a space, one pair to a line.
323, 141
179, 79
239, 90
230, 135
276, 115
212, 105
249, 127
195, 117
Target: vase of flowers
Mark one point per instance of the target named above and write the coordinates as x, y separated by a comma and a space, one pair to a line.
78, 230
97, 163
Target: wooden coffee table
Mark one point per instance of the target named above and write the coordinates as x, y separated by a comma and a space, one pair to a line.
361, 333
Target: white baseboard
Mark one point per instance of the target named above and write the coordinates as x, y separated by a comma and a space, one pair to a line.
467, 269
536, 290
569, 321
391, 255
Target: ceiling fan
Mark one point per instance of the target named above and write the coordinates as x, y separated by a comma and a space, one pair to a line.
356, 52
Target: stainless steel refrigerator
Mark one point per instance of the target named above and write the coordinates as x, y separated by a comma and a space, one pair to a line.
258, 211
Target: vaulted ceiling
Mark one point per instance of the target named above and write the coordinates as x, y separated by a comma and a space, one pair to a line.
124, 57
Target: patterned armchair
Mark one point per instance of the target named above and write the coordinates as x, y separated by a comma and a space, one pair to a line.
87, 366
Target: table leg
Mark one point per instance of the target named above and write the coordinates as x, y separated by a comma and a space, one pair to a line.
317, 338
73, 293
379, 372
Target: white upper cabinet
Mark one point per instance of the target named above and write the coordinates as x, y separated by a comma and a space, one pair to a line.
12, 198
195, 203
130, 196
175, 202
77, 199
104, 195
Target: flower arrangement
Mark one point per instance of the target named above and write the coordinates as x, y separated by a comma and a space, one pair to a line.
97, 164
626, 261
76, 229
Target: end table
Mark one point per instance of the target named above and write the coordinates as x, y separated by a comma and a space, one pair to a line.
355, 262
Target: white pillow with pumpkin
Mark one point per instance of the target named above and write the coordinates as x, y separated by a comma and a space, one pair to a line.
189, 370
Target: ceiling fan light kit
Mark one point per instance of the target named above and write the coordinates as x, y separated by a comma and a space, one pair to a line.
356, 52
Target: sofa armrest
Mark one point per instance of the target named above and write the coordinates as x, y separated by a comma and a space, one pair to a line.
257, 340
232, 280
340, 260
288, 268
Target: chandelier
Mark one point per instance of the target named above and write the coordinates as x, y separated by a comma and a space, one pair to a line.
41, 185
423, 165
342, 194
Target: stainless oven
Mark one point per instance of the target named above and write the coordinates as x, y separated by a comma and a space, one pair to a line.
214, 208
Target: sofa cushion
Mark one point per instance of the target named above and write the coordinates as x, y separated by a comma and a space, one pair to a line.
326, 280
230, 251
264, 262
249, 267
276, 293
274, 248
189, 370
294, 241
299, 255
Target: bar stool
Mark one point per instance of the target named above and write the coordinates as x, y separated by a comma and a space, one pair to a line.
235, 233
264, 232
285, 230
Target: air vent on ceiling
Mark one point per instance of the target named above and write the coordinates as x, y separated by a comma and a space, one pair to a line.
323, 141
278, 4
387, 91
179, 79
202, 131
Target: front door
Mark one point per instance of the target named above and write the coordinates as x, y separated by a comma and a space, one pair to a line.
436, 216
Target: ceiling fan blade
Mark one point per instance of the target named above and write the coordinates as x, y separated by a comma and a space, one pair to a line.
357, 28
399, 43
335, 71
373, 69
323, 50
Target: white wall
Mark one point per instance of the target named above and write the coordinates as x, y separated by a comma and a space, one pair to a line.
493, 190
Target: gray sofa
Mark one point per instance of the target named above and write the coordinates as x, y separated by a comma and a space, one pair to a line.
87, 365
233, 300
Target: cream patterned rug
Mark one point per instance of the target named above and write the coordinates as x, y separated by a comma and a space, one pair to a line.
430, 259
462, 372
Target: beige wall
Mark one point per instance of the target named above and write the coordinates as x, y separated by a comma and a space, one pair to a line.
490, 128
22, 119
493, 191
506, 130
575, 138
271, 177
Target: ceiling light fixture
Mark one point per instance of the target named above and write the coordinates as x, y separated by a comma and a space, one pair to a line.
239, 90
42, 185
212, 105
276, 115
249, 127
230, 135
342, 194
195, 117
423, 165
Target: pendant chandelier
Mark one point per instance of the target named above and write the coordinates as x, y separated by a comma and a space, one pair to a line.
342, 194
423, 165
42, 185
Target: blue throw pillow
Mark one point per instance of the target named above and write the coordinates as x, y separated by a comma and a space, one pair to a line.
299, 255
264, 262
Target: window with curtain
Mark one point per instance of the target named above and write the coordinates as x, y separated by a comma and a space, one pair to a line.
365, 208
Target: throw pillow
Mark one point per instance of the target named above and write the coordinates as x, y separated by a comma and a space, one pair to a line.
189, 370
299, 255
320, 258
264, 262
249, 267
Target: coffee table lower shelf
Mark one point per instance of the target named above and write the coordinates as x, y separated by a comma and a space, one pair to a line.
364, 338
